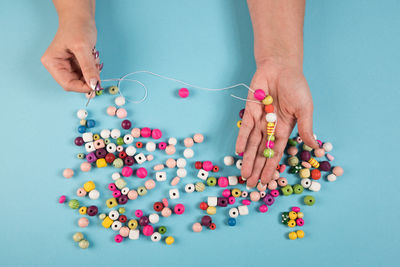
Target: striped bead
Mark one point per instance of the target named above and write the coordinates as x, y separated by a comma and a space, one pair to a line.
270, 128
313, 163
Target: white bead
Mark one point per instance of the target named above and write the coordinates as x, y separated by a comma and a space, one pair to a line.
82, 114
94, 194
154, 218
233, 180
116, 225
243, 210
212, 201
115, 133
315, 186
111, 148
87, 137
119, 101
125, 190
331, 177
128, 139
155, 237
172, 141
181, 163
327, 146
188, 153
150, 146
233, 212
130, 150
239, 164
306, 183
181, 172
115, 176
161, 176
140, 158
174, 193
134, 234
189, 188
202, 174
90, 147
120, 183
114, 215
229, 160
270, 117
105, 133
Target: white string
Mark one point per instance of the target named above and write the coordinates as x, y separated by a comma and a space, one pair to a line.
246, 100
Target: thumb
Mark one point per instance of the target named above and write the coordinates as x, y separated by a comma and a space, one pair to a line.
305, 125
87, 62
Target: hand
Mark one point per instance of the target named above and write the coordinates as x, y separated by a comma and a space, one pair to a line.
292, 102
70, 58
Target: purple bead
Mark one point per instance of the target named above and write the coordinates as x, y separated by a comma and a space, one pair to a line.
144, 220
92, 210
91, 157
129, 161
269, 200
241, 113
79, 141
222, 202
122, 199
126, 124
101, 153
324, 166
305, 155
206, 220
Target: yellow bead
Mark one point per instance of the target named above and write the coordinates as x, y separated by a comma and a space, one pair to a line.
83, 122
239, 124
211, 210
300, 233
292, 236
100, 163
304, 173
291, 223
270, 128
268, 100
82, 210
111, 203
293, 215
121, 210
300, 215
236, 192
313, 163
107, 222
89, 186
132, 224
96, 137
169, 240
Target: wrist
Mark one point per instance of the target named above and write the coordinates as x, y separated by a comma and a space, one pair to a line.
280, 62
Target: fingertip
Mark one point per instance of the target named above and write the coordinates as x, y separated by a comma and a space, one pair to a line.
252, 182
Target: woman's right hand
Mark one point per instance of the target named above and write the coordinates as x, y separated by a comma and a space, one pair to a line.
71, 58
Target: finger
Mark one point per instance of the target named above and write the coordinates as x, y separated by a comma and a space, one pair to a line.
249, 156
258, 164
244, 132
305, 126
87, 63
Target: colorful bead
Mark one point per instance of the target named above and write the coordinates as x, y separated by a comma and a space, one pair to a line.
183, 92
313, 162
268, 153
259, 94
73, 204
268, 100
196, 227
309, 200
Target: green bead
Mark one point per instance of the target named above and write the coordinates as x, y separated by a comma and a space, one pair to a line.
293, 161
99, 92
142, 191
295, 169
211, 181
107, 141
287, 190
118, 163
113, 90
81, 156
268, 153
162, 229
120, 141
307, 148
73, 204
292, 142
298, 189
309, 200
199, 186
121, 210
285, 217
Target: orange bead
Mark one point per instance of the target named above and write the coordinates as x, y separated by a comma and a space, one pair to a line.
315, 174
213, 226
139, 144
269, 108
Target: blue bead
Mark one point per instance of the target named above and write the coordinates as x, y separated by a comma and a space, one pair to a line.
82, 129
232, 222
90, 123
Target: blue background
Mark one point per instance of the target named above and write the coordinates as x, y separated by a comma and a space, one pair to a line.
351, 63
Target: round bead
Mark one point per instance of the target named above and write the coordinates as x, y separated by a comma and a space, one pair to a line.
196, 227
68, 173
203, 205
268, 100
166, 212
145, 132
162, 145
229, 160
188, 153
326, 166
172, 141
155, 237
259, 94
239, 124
304, 173
255, 196
292, 236
300, 233
62, 199
268, 108
156, 134
126, 124
181, 172
83, 222
298, 189
77, 237
270, 117
305, 155
188, 142
141, 172
179, 209
327, 147
331, 177
198, 138
150, 184
263, 208
183, 92
82, 114
162, 229
119, 101
113, 90
231, 221
135, 132
309, 200
121, 113
111, 110
148, 230
127, 171
268, 153
80, 192
73, 204
223, 182
170, 150
315, 174
211, 210
181, 163
206, 221
199, 186
169, 240
319, 152
338, 171
292, 150
83, 244
79, 141
171, 163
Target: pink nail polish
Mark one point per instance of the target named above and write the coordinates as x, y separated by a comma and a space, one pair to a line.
101, 66
97, 54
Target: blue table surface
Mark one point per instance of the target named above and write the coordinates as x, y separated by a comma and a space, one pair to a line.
350, 60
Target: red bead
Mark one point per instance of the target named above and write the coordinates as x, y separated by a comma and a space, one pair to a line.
203, 205
122, 218
278, 167
79, 141
315, 174
129, 161
240, 180
158, 206
215, 168
213, 226
198, 165
126, 124
110, 158
122, 154
139, 144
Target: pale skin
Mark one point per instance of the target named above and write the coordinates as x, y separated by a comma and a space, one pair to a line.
278, 50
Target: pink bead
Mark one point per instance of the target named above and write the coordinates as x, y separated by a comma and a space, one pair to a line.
118, 238
85, 166
116, 193
179, 209
259, 94
241, 154
282, 168
274, 193
272, 185
120, 148
127, 171
145, 132
132, 194
90, 95
255, 196
295, 209
166, 212
150, 157
198, 138
262, 194
231, 200
263, 208
112, 187
270, 144
162, 145
135, 132
81, 192
183, 92
319, 152
305, 164
68, 173
188, 142
282, 181
207, 166
329, 157
165, 202
170, 150
226, 193
261, 187
292, 150
246, 202
276, 175
171, 163
124, 231
138, 213
121, 113
111, 110
299, 222
175, 181
62, 199
197, 227
150, 184
158, 167
156, 134
141, 173
338, 171
83, 222
319, 143
148, 230
245, 193
223, 182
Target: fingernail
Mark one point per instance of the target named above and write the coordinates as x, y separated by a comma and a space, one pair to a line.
101, 66
96, 54
244, 178
93, 83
